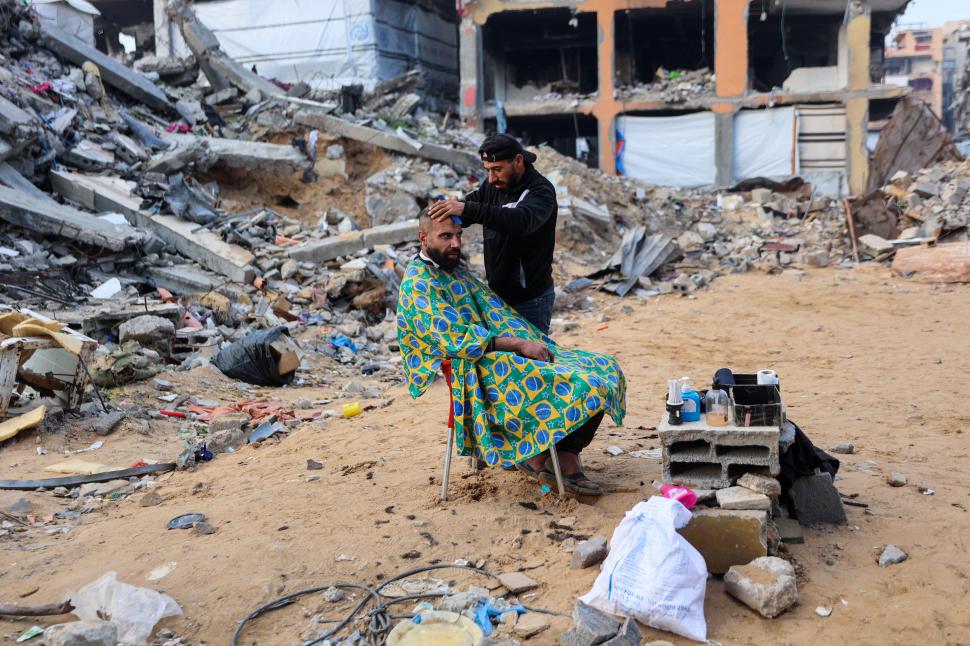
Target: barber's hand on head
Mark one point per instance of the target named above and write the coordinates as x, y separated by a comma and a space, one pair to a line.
534, 350
444, 209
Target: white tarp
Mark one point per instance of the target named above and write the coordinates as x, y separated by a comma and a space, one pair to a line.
337, 42
76, 17
669, 151
765, 143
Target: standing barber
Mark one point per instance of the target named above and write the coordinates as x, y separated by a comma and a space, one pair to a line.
517, 209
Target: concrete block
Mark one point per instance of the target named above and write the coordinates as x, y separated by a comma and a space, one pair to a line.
727, 537
589, 553
396, 233
761, 484
766, 585
742, 498
228, 422
329, 248
712, 457
530, 625
817, 500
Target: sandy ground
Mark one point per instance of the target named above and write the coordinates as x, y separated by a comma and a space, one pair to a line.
863, 357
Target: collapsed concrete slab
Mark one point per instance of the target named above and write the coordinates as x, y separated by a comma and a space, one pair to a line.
217, 66
249, 155
341, 128
50, 218
10, 177
201, 245
117, 75
353, 241
12, 116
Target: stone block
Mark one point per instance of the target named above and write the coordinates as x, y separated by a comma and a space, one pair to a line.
82, 633
345, 244
790, 531
592, 626
396, 233
761, 484
891, 555
742, 498
517, 582
228, 422
530, 624
629, 635
148, 330
589, 553
727, 537
817, 500
766, 585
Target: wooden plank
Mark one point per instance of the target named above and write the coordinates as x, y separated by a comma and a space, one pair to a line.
943, 263
341, 128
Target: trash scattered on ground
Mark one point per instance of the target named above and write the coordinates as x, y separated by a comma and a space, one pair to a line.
132, 610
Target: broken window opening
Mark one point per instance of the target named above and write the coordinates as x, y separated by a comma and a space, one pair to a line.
786, 41
133, 18
660, 47
532, 54
574, 135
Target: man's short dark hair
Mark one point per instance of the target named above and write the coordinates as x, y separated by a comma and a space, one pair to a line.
501, 146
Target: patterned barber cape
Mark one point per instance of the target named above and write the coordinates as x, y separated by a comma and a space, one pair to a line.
507, 408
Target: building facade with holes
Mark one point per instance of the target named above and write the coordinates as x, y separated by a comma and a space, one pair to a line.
686, 92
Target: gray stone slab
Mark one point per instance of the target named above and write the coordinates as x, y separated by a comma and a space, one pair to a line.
50, 218
817, 500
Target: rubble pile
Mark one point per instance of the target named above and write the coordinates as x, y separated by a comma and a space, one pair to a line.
673, 86
929, 206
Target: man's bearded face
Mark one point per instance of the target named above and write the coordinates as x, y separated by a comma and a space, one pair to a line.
441, 241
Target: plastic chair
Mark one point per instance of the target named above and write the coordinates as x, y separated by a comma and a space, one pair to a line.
449, 447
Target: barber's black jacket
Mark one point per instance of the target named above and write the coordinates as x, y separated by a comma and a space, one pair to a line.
520, 235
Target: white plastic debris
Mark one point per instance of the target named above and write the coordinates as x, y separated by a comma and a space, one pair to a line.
134, 610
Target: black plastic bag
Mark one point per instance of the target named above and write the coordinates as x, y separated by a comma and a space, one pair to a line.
251, 359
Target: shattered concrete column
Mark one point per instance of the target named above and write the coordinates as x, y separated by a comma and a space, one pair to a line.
470, 72
605, 109
854, 66
724, 143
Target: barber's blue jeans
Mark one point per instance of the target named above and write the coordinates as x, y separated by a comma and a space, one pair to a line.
538, 311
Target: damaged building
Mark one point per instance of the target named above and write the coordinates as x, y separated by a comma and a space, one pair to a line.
685, 92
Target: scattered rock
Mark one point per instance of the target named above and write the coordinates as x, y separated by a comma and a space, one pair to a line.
592, 626
896, 480
333, 595
204, 527
822, 611
589, 553
766, 585
150, 499
817, 500
313, 465
517, 582
530, 624
614, 450
845, 448
82, 633
629, 635
891, 555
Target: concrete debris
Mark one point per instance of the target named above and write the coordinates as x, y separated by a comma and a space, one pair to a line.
82, 633
766, 585
816, 500
891, 555
589, 553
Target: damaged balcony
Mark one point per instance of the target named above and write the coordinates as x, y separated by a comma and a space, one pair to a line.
540, 62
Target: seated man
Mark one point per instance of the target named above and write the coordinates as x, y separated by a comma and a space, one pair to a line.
515, 391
